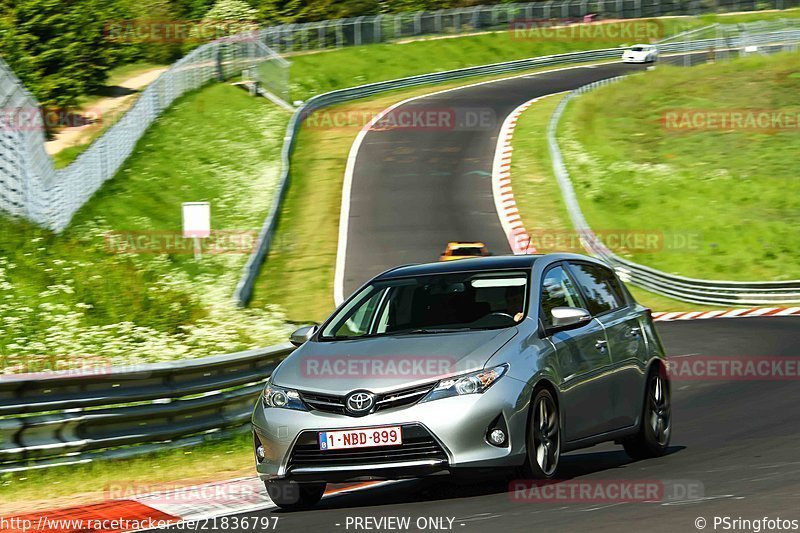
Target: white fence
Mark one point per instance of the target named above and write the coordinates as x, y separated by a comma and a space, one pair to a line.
394, 27
32, 188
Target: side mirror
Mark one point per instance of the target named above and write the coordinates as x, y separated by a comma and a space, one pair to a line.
569, 317
302, 334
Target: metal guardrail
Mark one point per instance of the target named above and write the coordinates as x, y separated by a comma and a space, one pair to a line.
244, 289
51, 419
710, 292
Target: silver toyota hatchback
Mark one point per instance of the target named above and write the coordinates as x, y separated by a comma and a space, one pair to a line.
488, 362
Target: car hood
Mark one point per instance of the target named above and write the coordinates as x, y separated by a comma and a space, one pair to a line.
388, 363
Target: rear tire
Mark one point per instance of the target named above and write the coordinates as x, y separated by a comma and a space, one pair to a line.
543, 443
294, 496
655, 429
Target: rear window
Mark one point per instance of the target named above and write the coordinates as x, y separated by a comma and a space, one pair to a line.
471, 250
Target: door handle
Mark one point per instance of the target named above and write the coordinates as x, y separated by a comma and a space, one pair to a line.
600, 344
636, 331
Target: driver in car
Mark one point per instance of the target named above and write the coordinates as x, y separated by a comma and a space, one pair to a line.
515, 301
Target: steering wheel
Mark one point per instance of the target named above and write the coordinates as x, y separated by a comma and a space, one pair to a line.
497, 318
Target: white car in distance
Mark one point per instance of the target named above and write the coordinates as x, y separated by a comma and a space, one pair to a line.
640, 53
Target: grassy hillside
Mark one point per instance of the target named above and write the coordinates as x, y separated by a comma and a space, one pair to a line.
314, 73
734, 188
69, 299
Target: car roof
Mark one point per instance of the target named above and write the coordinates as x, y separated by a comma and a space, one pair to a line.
465, 244
498, 262
495, 262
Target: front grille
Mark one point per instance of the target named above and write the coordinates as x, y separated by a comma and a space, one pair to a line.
418, 444
323, 402
335, 404
402, 398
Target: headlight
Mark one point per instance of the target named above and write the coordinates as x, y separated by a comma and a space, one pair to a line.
473, 383
281, 398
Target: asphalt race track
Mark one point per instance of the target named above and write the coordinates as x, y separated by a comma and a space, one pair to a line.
735, 442
415, 189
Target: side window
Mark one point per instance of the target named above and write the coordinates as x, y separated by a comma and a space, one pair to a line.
359, 322
619, 291
558, 291
600, 287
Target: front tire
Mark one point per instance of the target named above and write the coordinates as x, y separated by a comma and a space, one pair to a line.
655, 430
294, 496
543, 439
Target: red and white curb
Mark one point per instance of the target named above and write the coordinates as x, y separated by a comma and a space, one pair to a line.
161, 508
510, 220
730, 313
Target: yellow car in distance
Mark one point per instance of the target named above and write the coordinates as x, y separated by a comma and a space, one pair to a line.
463, 250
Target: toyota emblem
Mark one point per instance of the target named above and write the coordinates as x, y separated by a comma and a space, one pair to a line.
360, 402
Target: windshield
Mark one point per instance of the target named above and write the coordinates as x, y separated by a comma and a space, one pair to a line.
467, 250
637, 49
433, 304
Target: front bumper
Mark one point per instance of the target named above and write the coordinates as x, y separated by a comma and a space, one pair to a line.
455, 429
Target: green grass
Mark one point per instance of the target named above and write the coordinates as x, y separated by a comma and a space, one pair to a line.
69, 154
737, 191
65, 486
539, 199
314, 73
66, 299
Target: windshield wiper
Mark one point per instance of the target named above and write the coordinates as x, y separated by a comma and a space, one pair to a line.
428, 331
417, 331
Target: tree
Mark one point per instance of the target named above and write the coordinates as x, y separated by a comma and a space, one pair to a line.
231, 11
230, 17
57, 47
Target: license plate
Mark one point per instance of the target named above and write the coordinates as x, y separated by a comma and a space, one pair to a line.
360, 438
